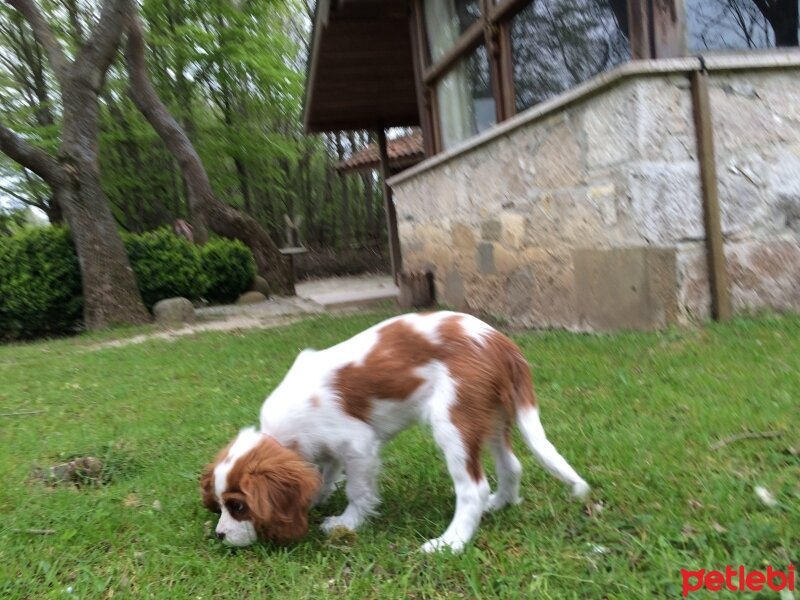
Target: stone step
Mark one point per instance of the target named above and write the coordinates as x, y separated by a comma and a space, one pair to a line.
356, 298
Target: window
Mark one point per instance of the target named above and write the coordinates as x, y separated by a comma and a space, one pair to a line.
445, 21
741, 24
466, 102
557, 44
482, 61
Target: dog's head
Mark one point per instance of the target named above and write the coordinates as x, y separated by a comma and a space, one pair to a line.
261, 490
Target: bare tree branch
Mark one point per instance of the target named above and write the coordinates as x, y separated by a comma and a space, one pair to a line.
101, 47
29, 156
44, 35
16, 196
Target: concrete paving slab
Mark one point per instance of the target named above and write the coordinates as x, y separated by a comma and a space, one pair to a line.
349, 292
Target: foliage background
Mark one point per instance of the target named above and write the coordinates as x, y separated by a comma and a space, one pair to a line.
232, 74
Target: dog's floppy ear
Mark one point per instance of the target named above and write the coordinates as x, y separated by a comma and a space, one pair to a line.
207, 481
207, 488
279, 486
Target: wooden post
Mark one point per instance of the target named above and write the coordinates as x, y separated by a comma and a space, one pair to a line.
717, 268
639, 29
391, 213
669, 28
423, 98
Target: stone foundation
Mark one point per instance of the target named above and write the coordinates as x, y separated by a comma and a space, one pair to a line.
586, 214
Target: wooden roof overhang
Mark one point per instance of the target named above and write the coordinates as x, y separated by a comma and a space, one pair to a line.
360, 70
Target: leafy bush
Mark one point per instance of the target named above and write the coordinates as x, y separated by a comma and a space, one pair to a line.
229, 269
40, 284
165, 266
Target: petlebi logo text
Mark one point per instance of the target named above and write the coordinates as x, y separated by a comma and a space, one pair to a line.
738, 579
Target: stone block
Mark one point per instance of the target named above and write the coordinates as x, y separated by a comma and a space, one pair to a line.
610, 128
484, 257
764, 274
664, 118
251, 298
626, 288
173, 311
694, 292
742, 119
742, 194
505, 261
513, 229
542, 294
491, 230
260, 285
462, 238
557, 161
666, 205
454, 290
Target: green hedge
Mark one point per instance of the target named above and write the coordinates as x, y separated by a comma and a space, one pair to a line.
40, 288
165, 266
229, 268
40, 284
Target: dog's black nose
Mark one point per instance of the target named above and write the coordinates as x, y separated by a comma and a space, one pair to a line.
220, 536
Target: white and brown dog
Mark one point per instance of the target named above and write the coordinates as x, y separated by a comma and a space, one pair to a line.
336, 408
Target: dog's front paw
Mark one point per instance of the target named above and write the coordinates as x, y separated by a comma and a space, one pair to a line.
498, 501
440, 544
339, 522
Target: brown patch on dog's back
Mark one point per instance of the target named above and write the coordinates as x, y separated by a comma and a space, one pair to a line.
387, 371
491, 375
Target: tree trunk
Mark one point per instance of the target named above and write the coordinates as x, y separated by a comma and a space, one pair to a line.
110, 293
220, 218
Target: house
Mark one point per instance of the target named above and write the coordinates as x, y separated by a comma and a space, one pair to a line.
589, 164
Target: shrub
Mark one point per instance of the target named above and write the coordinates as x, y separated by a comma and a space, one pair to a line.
40, 284
229, 269
165, 266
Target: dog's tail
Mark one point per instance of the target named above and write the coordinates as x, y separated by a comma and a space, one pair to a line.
533, 433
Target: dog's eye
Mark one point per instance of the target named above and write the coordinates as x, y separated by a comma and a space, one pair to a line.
235, 507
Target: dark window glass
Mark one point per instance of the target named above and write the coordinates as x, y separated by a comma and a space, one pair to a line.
445, 21
466, 102
557, 44
741, 24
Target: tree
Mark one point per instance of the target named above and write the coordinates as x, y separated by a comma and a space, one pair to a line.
110, 291
208, 211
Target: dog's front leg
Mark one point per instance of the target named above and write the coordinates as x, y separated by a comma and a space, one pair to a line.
331, 472
361, 469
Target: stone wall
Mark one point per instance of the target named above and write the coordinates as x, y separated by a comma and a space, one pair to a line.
589, 217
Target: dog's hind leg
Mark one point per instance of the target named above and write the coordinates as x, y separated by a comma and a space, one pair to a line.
509, 471
471, 488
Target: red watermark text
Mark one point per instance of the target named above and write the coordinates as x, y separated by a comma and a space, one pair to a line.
738, 579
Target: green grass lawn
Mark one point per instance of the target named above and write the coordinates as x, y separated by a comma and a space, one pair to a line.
635, 414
